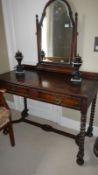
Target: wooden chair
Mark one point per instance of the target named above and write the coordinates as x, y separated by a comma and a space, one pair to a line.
5, 117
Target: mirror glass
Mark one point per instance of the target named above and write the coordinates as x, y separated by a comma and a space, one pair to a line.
56, 35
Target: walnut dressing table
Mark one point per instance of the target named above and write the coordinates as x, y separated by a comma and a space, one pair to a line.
50, 80
55, 88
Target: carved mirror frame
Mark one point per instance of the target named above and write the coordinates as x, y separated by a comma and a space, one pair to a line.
56, 66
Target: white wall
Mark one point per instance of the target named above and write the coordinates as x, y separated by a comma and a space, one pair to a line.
20, 15
24, 12
4, 62
88, 29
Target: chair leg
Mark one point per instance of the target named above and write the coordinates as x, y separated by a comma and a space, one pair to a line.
11, 134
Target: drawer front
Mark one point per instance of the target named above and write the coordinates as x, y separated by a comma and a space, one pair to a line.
22, 91
71, 102
66, 101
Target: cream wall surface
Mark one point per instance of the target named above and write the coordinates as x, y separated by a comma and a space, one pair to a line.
4, 62
88, 29
24, 24
24, 17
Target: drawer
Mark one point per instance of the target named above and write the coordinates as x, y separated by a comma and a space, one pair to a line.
22, 91
71, 102
66, 101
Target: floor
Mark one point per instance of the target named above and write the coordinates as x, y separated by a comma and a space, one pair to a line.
41, 153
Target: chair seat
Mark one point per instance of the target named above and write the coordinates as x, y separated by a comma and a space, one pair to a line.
4, 116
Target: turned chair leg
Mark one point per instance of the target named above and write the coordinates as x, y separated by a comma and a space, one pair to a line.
11, 134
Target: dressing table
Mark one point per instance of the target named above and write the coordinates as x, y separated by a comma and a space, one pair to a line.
50, 80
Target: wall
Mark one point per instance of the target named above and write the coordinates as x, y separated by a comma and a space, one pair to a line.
24, 27
88, 13
24, 12
4, 62
4, 59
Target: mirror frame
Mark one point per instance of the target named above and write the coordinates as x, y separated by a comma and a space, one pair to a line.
56, 66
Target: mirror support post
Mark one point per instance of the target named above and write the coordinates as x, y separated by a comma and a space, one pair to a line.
38, 36
76, 33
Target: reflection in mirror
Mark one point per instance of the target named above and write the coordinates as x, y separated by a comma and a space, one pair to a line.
57, 32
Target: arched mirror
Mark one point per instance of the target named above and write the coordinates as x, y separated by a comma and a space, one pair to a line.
56, 34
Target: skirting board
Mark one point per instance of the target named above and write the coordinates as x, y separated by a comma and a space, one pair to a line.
65, 122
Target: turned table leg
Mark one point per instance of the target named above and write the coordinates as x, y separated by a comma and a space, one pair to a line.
25, 111
90, 128
81, 138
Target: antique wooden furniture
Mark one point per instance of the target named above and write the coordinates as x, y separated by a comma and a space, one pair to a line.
56, 36
50, 80
57, 89
5, 117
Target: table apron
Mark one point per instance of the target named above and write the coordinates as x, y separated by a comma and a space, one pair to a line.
45, 96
